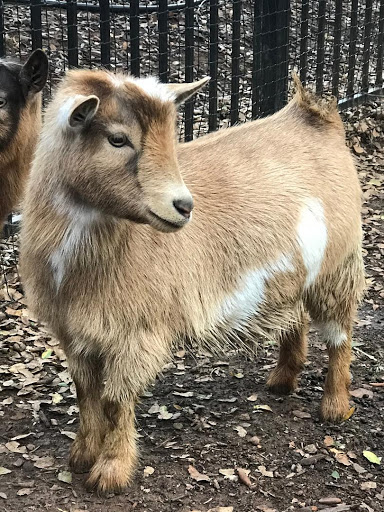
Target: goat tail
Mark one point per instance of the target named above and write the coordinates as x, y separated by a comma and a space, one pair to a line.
323, 109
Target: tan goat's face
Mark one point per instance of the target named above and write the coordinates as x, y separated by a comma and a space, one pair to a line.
122, 147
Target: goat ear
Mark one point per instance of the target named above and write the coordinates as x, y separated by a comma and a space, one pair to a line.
34, 73
184, 91
82, 111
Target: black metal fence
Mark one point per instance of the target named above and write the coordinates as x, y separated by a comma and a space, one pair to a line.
249, 48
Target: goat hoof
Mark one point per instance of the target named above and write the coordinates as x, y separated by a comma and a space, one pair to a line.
334, 408
109, 475
281, 385
81, 459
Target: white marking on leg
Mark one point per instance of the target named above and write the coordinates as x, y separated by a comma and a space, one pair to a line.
249, 294
312, 238
332, 333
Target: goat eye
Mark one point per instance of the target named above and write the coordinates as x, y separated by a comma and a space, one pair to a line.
3, 102
118, 140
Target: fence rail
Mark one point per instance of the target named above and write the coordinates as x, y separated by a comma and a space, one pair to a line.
249, 48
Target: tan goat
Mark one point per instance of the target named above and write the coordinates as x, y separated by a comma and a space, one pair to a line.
20, 123
276, 233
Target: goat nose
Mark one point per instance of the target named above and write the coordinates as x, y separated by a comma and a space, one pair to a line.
184, 207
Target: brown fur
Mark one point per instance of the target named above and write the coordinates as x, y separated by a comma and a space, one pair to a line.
15, 161
118, 292
20, 123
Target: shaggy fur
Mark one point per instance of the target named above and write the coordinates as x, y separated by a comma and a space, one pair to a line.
20, 123
275, 234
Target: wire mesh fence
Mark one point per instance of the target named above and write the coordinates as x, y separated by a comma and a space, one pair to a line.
249, 48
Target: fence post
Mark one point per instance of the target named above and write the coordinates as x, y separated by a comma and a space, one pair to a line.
256, 63
304, 41
236, 17
367, 45
337, 48
380, 43
73, 60
2, 34
163, 40
37, 39
320, 46
274, 56
213, 63
134, 36
105, 33
189, 58
352, 48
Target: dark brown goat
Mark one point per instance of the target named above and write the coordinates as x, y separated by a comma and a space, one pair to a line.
20, 123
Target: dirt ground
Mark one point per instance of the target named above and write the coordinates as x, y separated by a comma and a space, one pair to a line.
212, 437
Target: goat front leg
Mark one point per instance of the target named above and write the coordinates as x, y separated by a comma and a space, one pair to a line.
126, 375
87, 376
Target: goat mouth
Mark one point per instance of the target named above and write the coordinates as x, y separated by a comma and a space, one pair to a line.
171, 226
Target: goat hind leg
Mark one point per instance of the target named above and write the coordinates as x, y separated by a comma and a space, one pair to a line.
292, 355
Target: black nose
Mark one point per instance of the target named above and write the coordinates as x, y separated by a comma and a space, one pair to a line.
184, 207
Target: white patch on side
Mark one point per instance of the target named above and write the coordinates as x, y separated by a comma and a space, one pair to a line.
250, 292
81, 218
332, 333
66, 109
312, 237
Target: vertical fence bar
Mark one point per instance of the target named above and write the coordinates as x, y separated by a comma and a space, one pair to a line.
256, 63
134, 36
189, 59
380, 43
337, 48
36, 31
235, 79
320, 46
304, 41
213, 63
105, 33
352, 48
2, 34
163, 40
73, 58
274, 60
367, 44
282, 53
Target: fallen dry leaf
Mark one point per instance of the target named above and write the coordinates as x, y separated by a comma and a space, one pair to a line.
65, 476
229, 474
361, 392
25, 491
264, 472
240, 431
301, 414
349, 413
342, 458
262, 408
243, 476
365, 486
43, 462
148, 470
199, 477
14, 447
328, 441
